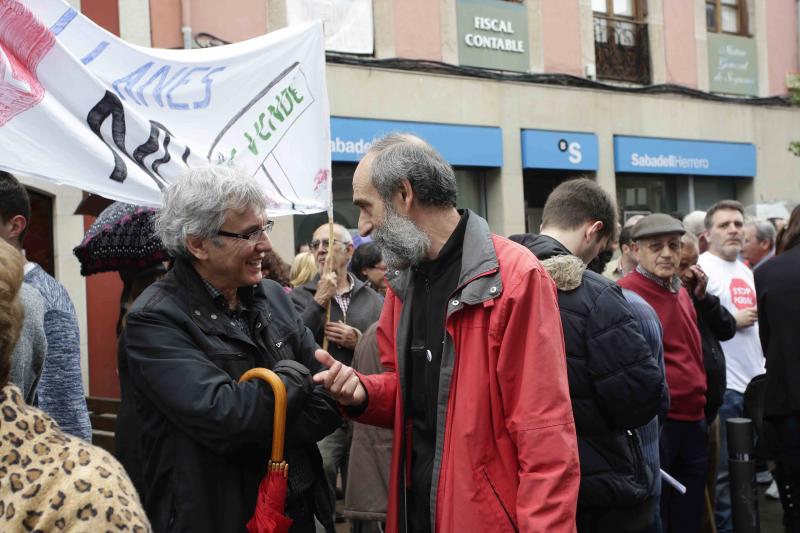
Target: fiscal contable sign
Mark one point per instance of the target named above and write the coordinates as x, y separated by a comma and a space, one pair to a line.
493, 34
81, 107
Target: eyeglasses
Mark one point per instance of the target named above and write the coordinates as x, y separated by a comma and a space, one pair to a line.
253, 236
315, 244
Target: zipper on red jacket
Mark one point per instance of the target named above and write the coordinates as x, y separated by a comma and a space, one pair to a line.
448, 426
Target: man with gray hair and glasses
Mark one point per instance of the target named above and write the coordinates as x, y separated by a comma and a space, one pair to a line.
476, 382
354, 307
759, 242
191, 335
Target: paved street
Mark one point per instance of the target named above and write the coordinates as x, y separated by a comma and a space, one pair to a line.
769, 511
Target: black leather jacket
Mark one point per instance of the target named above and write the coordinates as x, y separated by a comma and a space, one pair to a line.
715, 324
205, 438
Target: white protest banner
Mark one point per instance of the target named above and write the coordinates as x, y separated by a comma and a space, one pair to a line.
81, 107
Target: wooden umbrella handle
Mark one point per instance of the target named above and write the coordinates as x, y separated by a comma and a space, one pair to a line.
279, 419
328, 268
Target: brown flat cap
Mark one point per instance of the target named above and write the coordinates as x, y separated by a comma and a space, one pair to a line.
656, 224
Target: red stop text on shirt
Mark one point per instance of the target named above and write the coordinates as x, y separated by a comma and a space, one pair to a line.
742, 295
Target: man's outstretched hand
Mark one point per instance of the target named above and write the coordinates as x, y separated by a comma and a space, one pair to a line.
340, 380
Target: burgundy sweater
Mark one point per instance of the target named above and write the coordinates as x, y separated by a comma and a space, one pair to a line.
683, 353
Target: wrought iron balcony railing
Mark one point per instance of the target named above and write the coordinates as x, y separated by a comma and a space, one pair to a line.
622, 50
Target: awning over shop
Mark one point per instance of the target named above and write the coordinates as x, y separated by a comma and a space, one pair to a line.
469, 146
560, 150
650, 155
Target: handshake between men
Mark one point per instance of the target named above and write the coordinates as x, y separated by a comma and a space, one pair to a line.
340, 380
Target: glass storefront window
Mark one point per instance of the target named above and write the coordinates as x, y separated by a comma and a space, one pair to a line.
537, 186
672, 194
654, 194
709, 190
471, 184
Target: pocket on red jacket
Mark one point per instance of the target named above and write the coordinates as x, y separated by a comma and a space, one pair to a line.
497, 513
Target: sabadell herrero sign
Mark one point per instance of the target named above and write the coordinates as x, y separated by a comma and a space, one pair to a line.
493, 34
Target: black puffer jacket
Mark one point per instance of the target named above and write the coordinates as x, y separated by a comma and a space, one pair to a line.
206, 438
615, 382
715, 324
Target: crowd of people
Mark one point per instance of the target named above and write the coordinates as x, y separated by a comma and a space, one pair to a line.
447, 378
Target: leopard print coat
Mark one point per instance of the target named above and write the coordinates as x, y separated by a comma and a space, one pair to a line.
52, 481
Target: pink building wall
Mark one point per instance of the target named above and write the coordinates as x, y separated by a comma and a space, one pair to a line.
236, 21
680, 48
561, 37
165, 24
781, 43
418, 30
232, 20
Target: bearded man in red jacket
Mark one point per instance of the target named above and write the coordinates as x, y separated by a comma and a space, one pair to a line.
476, 388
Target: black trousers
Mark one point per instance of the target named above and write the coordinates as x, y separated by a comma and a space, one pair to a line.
683, 450
623, 519
783, 435
301, 511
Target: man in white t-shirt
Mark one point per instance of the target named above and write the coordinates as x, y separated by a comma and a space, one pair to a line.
732, 282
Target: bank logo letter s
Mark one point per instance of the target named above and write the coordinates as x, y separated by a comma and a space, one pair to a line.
575, 155
24, 41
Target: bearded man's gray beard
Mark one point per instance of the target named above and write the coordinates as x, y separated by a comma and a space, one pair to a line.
401, 242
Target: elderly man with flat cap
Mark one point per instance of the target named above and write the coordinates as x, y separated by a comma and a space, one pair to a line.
684, 440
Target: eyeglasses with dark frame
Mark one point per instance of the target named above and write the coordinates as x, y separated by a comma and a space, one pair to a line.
253, 236
315, 244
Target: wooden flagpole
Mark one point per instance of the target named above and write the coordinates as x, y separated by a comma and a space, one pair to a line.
329, 259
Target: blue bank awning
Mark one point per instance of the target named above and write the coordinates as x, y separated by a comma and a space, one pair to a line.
673, 156
479, 146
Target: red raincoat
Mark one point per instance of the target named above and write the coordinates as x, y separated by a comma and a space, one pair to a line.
506, 456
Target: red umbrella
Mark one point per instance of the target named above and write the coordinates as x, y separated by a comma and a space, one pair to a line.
268, 516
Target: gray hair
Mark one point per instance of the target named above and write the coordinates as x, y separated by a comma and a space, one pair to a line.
690, 238
765, 231
339, 232
694, 222
401, 156
197, 202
